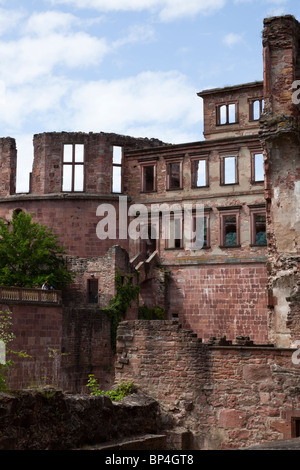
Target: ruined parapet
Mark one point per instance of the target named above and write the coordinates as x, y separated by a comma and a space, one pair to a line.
279, 134
8, 166
71, 162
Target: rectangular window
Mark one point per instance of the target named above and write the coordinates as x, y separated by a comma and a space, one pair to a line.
256, 107
73, 168
257, 167
92, 291
200, 173
258, 226
229, 228
148, 175
174, 233
117, 169
229, 170
174, 175
202, 236
226, 114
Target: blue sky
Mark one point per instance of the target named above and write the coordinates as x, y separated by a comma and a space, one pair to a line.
127, 66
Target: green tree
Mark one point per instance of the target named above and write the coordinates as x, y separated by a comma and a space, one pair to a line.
31, 254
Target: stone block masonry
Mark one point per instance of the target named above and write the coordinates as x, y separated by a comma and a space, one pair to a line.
227, 396
218, 300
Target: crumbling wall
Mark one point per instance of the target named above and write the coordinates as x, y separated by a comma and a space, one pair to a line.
47, 419
279, 132
227, 395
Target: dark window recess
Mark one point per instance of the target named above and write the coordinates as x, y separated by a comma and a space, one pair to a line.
230, 230
174, 175
148, 178
92, 291
260, 230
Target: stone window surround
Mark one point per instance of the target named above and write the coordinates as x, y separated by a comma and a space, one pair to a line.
256, 209
227, 104
229, 211
73, 164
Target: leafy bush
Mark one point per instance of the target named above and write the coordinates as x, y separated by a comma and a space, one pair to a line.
122, 390
151, 313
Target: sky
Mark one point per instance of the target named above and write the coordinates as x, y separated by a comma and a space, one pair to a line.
132, 67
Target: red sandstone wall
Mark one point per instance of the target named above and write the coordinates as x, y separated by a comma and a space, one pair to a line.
73, 219
38, 329
221, 300
228, 397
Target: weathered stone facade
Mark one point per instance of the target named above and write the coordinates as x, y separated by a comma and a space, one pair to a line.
228, 375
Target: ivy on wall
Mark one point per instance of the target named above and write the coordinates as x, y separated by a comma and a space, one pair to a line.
126, 292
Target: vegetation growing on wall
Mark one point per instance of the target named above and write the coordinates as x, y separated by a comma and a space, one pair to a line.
122, 390
6, 337
126, 292
151, 313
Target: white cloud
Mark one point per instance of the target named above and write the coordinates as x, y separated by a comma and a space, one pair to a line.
29, 58
231, 39
48, 22
10, 19
167, 9
160, 100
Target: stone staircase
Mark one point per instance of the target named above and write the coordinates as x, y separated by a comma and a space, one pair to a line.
143, 442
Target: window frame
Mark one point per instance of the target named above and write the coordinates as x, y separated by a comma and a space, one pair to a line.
117, 165
172, 218
73, 164
143, 165
194, 161
229, 211
251, 108
206, 216
227, 104
253, 154
168, 164
258, 209
222, 168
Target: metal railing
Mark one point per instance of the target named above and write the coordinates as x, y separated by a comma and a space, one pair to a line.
23, 294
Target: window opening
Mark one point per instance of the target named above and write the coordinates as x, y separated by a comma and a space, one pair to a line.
174, 175
229, 228
73, 167
226, 114
258, 167
175, 233
148, 183
92, 291
229, 170
201, 239
200, 173
117, 169
256, 109
260, 229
